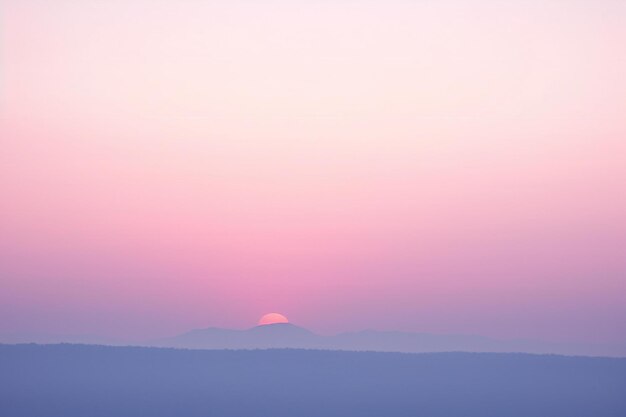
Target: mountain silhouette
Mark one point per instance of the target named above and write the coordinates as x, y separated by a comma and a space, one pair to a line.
279, 335
79, 380
287, 335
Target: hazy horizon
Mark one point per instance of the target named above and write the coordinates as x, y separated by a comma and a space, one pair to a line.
131, 381
274, 331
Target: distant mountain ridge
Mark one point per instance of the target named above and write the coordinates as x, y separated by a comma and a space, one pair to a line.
287, 335
260, 337
79, 380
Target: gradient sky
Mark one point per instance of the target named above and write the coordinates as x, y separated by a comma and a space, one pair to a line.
443, 166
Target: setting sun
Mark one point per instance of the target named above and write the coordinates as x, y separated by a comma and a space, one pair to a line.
272, 318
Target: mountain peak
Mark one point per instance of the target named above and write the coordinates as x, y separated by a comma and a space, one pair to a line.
280, 329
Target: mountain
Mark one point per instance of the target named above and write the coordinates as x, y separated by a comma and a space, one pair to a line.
286, 335
79, 380
428, 342
279, 335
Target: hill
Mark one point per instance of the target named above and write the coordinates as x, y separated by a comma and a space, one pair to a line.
286, 335
81, 380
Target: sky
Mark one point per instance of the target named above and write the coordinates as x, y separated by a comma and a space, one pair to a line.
446, 166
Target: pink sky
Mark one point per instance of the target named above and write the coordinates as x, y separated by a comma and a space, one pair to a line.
443, 166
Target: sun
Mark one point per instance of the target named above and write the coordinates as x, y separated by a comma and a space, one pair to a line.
272, 318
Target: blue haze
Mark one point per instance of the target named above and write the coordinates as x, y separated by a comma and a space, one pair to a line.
103, 381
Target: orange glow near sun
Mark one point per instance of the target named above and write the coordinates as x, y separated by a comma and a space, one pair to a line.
272, 318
